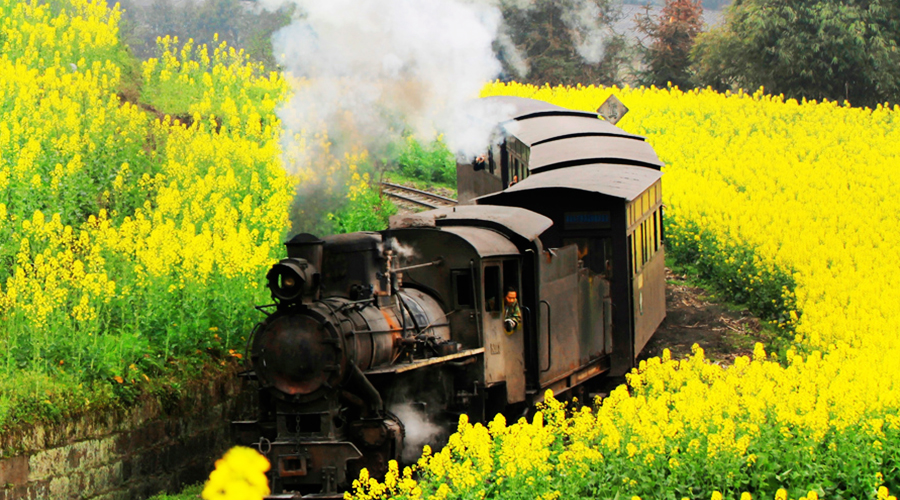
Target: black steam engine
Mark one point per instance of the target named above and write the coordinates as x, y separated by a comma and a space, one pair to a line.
378, 341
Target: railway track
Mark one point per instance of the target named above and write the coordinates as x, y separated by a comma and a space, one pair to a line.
415, 198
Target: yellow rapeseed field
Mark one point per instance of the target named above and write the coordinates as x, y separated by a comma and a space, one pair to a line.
129, 236
137, 229
809, 188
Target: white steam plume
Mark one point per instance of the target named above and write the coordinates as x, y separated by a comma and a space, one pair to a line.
370, 68
583, 18
585, 22
419, 431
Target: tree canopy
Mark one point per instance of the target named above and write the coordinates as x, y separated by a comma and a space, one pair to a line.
817, 49
671, 36
547, 35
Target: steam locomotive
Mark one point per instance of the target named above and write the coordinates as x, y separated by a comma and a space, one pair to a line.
376, 338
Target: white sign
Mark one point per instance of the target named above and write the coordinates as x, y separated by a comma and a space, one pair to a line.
612, 109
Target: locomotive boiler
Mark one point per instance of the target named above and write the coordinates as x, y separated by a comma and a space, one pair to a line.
378, 341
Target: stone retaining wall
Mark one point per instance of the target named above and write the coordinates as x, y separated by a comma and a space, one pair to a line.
126, 454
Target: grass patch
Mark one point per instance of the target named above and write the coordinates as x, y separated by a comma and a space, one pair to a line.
432, 163
190, 493
735, 276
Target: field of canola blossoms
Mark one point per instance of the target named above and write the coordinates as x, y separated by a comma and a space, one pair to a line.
129, 239
809, 188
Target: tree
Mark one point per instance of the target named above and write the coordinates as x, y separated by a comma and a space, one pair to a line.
818, 49
243, 25
671, 35
549, 33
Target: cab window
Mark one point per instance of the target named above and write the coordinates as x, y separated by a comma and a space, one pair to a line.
492, 288
463, 289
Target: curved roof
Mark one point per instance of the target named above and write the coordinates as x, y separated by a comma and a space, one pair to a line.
507, 220
486, 242
561, 137
520, 221
619, 181
540, 129
590, 149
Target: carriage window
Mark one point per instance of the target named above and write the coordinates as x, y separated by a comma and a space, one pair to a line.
511, 276
492, 288
646, 234
656, 230
462, 284
642, 241
631, 253
594, 252
636, 241
644, 250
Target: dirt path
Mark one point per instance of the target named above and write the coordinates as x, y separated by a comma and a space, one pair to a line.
691, 317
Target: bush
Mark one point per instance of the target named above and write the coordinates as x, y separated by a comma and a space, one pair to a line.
133, 243
366, 208
431, 163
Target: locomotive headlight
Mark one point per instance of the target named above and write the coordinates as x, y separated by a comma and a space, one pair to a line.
286, 279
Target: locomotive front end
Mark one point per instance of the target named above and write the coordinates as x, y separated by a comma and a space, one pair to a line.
339, 313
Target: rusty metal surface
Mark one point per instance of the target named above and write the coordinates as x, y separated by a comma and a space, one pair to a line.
486, 242
558, 315
542, 129
567, 380
592, 150
422, 363
471, 183
524, 223
649, 300
320, 464
593, 289
348, 260
620, 181
295, 354
457, 254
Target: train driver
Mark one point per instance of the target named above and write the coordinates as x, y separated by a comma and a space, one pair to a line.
512, 316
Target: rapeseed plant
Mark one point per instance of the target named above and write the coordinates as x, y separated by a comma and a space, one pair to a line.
128, 236
757, 187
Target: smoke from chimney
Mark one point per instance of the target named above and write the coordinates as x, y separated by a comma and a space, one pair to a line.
371, 70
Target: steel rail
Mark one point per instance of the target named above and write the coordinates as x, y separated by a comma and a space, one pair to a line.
407, 194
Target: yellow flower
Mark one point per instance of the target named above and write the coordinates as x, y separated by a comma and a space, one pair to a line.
239, 475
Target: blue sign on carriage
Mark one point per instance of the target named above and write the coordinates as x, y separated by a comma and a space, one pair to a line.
586, 220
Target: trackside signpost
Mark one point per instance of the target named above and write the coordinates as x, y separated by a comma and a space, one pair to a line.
612, 109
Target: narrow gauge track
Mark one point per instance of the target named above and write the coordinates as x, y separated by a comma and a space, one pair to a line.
416, 197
